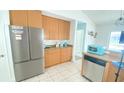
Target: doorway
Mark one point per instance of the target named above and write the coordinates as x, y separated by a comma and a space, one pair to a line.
79, 39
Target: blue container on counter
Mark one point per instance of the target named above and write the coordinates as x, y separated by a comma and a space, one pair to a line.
96, 49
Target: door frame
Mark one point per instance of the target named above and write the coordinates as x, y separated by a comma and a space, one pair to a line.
83, 46
79, 48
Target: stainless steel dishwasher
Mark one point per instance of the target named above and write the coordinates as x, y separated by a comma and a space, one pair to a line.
93, 68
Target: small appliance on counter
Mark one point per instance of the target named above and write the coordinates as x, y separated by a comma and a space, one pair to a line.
96, 49
57, 44
63, 44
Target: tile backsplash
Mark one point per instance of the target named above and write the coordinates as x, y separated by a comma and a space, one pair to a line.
50, 42
53, 42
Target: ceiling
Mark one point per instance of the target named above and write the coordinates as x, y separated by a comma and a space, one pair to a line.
103, 16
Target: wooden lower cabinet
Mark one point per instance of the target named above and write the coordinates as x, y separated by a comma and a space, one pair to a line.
121, 76
110, 71
52, 57
55, 56
66, 54
109, 74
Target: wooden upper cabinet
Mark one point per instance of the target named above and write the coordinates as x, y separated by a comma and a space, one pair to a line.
30, 18
45, 27
53, 29
18, 17
50, 26
61, 30
67, 30
56, 29
34, 19
64, 30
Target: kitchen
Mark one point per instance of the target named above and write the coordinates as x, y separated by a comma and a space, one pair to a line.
59, 45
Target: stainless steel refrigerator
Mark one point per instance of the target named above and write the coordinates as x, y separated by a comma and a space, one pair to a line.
27, 51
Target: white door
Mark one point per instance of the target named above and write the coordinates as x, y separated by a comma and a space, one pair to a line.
5, 69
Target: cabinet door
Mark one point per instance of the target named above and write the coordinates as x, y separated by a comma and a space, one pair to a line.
55, 57
109, 73
47, 60
66, 54
50, 26
46, 27
53, 29
52, 57
54, 33
121, 76
63, 55
34, 19
66, 30
18, 17
61, 29
69, 54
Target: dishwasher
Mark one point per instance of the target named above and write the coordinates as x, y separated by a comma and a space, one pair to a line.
93, 69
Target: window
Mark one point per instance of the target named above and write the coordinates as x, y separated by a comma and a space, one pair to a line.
114, 41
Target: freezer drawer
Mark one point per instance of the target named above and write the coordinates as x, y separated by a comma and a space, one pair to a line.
19, 43
36, 45
28, 69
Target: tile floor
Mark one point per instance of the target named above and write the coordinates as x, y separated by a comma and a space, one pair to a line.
66, 72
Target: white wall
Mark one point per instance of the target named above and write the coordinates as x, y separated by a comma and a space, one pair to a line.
104, 32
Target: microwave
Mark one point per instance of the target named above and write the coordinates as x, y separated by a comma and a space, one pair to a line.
96, 49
